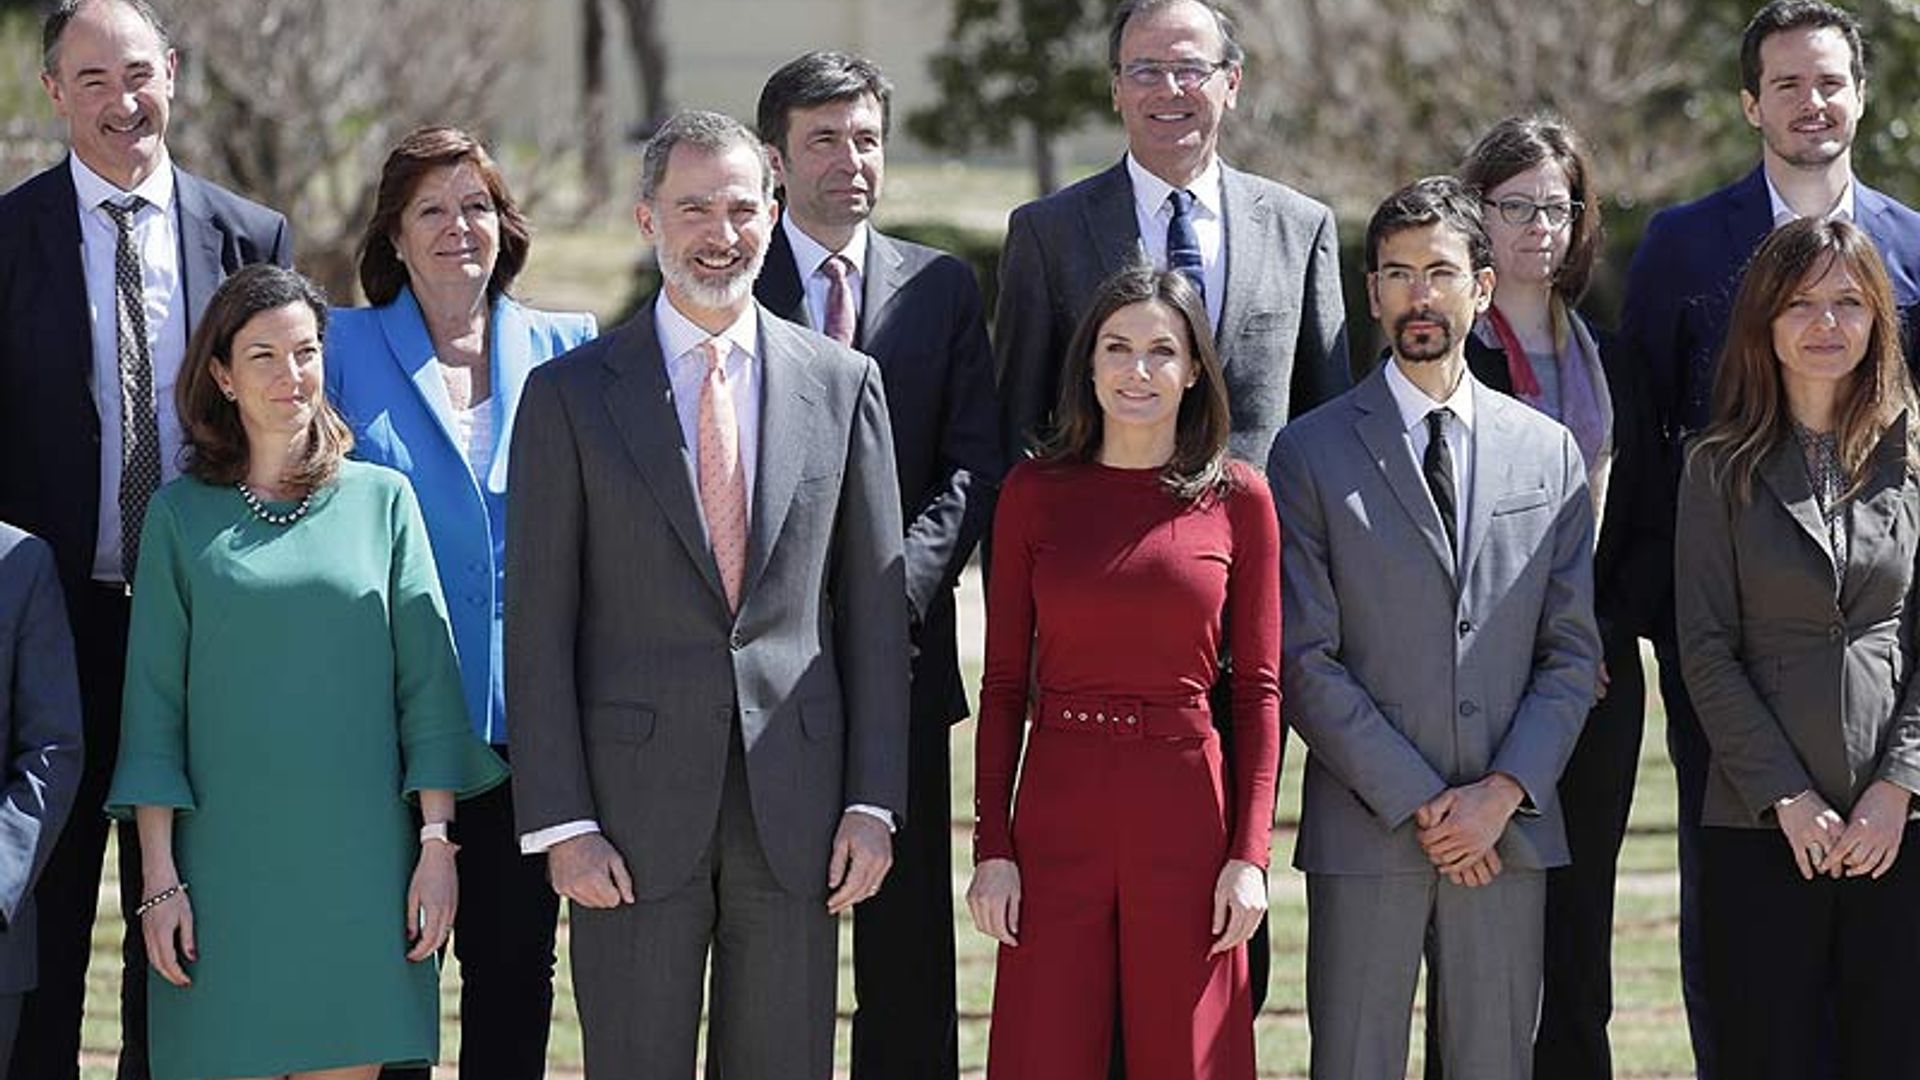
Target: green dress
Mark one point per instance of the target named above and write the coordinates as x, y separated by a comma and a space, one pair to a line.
287, 687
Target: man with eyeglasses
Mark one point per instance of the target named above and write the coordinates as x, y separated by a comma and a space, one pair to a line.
1803, 76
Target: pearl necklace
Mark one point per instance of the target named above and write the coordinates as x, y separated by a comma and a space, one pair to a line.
260, 511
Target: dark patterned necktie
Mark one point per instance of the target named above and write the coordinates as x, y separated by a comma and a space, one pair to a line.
139, 425
1439, 469
840, 317
1183, 244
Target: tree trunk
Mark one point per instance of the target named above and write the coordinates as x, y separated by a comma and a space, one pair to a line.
650, 56
1046, 160
595, 165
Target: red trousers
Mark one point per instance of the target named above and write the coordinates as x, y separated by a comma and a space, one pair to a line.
1121, 830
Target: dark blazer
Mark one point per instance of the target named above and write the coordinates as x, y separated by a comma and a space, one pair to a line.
1283, 324
922, 320
1627, 561
40, 722
1795, 689
49, 428
625, 667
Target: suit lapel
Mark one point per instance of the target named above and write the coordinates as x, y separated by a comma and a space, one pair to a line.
1749, 220
200, 241
1243, 222
880, 280
506, 323
779, 288
1385, 437
1110, 221
1492, 467
56, 231
789, 396
640, 403
405, 328
1873, 516
1783, 472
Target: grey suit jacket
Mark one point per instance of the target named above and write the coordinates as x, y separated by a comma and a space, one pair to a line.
624, 667
1283, 326
40, 720
1405, 677
1797, 689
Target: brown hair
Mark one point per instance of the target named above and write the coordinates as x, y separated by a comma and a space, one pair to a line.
1750, 414
1519, 143
216, 450
422, 151
1199, 464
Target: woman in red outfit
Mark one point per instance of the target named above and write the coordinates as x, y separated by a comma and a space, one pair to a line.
1127, 559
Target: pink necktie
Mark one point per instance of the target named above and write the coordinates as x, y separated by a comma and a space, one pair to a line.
839, 299
723, 480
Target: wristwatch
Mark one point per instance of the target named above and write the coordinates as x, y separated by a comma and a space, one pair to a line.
442, 831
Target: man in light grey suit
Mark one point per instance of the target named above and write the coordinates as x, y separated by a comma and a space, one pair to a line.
1265, 256
707, 642
1440, 657
40, 721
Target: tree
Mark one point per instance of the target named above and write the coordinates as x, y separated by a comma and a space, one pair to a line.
1037, 65
649, 50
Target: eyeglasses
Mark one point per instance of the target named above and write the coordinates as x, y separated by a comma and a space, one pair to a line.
1187, 74
1440, 280
1516, 210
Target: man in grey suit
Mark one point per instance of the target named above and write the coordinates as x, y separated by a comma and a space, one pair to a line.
1440, 657
1265, 256
40, 720
707, 641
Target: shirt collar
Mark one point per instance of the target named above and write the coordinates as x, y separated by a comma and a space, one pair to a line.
809, 253
91, 189
1150, 192
680, 335
1782, 213
1414, 404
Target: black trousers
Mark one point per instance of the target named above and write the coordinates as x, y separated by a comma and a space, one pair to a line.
905, 1025
503, 934
1786, 957
48, 1046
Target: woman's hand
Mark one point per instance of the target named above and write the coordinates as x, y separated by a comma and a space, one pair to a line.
1812, 830
1871, 841
168, 930
432, 898
993, 896
1239, 902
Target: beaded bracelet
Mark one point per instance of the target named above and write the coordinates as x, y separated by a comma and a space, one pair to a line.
157, 899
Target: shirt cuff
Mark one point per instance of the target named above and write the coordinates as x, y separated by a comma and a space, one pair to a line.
881, 812
541, 840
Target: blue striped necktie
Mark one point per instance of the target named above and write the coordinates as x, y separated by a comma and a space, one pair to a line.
1183, 244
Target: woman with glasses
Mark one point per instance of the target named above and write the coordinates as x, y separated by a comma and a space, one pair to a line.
1544, 220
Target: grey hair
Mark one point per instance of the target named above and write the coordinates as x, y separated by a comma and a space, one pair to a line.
1231, 52
709, 131
65, 10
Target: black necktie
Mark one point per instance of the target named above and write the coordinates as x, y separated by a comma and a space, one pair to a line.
1183, 244
139, 425
1439, 469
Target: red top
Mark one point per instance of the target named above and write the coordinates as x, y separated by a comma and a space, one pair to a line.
1120, 590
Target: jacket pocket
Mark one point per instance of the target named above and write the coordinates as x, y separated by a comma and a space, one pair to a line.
821, 719
1520, 501
620, 721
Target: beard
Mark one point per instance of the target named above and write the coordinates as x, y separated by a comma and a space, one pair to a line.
1426, 346
708, 288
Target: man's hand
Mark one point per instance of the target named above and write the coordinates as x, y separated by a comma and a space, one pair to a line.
862, 854
1464, 823
588, 871
1476, 874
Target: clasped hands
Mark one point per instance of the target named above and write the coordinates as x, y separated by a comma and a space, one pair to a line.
1459, 827
589, 871
1823, 843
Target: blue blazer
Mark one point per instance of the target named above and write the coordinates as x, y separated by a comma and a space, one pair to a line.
381, 376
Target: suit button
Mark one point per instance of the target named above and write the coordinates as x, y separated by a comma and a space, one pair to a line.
1465, 628
736, 642
1468, 708
1834, 632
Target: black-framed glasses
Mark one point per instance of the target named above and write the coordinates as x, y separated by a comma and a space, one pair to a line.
1519, 210
1186, 74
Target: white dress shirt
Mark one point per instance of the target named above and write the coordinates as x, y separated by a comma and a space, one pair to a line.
156, 238
1414, 405
809, 254
1153, 212
1782, 213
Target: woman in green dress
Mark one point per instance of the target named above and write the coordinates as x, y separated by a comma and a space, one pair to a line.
291, 682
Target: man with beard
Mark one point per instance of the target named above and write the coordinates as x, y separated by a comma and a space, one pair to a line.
1803, 75
1440, 657
707, 641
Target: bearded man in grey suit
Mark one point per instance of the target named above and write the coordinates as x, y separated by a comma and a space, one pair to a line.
1264, 256
1440, 657
706, 641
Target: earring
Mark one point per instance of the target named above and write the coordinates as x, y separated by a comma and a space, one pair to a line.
228, 394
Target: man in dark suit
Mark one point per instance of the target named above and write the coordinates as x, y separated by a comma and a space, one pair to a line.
40, 723
106, 260
1265, 256
917, 312
1803, 75
707, 642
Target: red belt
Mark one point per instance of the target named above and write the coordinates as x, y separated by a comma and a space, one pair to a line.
1125, 718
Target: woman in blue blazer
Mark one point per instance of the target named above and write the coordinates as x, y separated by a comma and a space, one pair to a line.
429, 377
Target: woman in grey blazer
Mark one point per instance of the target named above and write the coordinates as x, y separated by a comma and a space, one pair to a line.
1798, 526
